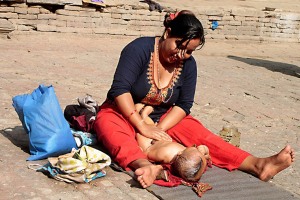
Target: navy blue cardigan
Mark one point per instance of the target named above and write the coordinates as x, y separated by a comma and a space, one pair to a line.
131, 76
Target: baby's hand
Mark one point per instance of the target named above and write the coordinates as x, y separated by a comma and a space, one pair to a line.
205, 151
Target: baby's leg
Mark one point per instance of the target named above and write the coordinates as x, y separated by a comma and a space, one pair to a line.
147, 111
139, 106
144, 112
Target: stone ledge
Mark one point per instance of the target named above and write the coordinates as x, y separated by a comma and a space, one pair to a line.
56, 2
121, 19
6, 26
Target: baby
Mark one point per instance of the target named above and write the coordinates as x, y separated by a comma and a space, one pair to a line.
188, 163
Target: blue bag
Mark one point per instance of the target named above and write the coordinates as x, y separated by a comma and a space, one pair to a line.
42, 118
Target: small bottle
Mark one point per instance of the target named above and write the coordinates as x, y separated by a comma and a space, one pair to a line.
230, 134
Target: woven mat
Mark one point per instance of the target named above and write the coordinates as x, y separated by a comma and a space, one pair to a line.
226, 186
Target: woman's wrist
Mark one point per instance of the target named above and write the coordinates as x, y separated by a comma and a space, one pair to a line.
136, 120
131, 114
160, 127
140, 123
140, 126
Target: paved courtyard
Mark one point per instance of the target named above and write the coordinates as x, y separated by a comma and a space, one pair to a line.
254, 86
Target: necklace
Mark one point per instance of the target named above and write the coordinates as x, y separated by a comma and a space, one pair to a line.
160, 90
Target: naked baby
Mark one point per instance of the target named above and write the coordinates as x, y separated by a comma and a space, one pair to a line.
189, 163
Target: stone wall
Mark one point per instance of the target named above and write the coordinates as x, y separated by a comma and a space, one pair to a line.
133, 20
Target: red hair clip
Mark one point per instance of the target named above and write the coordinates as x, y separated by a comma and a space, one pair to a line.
173, 15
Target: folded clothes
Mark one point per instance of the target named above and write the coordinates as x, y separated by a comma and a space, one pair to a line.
84, 138
79, 166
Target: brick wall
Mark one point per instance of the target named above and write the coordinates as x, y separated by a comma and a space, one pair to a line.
233, 24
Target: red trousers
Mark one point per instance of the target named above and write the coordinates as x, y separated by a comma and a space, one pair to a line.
117, 135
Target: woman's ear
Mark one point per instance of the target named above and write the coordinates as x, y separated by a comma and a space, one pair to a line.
167, 33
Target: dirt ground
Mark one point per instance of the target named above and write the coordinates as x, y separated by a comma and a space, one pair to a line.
254, 86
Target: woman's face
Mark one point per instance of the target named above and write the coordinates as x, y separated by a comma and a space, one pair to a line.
172, 51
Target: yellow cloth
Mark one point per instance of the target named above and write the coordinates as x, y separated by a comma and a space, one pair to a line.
80, 165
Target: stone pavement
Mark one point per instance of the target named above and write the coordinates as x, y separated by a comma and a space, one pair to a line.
254, 86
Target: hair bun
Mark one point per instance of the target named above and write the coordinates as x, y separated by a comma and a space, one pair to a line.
168, 20
169, 17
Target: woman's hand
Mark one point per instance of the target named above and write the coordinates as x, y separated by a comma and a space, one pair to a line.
153, 132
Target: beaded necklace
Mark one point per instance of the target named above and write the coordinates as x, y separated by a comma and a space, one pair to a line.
171, 83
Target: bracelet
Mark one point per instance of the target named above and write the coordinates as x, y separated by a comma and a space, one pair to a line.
134, 111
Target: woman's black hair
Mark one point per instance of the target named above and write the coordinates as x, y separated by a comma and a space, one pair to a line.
185, 25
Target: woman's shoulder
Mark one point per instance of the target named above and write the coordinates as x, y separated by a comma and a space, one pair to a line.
142, 42
141, 46
190, 64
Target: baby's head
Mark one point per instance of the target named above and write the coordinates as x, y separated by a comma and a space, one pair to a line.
189, 164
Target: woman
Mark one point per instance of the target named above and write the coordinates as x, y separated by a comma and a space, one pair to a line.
161, 72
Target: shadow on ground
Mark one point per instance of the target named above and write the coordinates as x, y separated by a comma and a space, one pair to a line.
284, 68
18, 137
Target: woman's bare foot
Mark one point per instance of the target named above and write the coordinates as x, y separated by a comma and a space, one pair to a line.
146, 175
274, 164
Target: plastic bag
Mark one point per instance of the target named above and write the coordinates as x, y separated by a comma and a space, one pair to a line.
42, 118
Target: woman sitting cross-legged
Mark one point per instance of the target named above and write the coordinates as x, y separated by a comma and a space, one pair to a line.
161, 72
